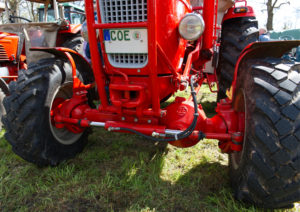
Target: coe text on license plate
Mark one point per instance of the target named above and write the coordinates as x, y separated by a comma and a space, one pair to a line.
125, 40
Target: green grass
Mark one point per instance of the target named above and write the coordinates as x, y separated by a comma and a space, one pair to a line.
121, 172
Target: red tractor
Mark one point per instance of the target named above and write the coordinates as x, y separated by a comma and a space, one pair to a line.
150, 49
17, 38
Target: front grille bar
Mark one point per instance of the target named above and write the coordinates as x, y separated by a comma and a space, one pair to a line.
123, 11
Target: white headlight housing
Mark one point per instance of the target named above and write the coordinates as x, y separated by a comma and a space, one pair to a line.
84, 32
191, 26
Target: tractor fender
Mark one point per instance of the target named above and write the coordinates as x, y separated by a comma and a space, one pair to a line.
75, 28
72, 29
4, 86
82, 65
262, 50
231, 13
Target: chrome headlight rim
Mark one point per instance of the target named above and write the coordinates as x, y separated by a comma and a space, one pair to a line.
198, 28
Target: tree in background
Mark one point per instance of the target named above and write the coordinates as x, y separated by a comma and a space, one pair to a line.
21, 8
271, 6
13, 5
32, 10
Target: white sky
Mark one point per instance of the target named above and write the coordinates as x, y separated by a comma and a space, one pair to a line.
287, 14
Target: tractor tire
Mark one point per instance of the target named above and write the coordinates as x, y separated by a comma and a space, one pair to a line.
2, 109
266, 172
75, 43
236, 34
28, 123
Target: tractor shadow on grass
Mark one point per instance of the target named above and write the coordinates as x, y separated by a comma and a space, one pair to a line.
120, 172
133, 174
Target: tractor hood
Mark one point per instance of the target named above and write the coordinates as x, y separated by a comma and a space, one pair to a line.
33, 35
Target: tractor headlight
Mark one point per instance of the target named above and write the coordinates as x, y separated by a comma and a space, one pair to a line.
191, 26
84, 32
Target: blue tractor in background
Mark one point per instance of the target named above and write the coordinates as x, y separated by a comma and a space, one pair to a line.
292, 34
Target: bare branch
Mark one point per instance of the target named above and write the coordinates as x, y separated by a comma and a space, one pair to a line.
275, 2
277, 7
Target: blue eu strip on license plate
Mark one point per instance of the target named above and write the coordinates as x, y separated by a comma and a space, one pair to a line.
106, 34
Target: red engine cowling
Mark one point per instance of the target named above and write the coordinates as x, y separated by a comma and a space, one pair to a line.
11, 57
8, 46
170, 47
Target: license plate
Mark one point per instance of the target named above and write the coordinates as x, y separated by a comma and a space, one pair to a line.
126, 41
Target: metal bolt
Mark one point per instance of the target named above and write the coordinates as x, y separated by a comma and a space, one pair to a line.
123, 118
237, 133
149, 121
135, 120
155, 134
138, 70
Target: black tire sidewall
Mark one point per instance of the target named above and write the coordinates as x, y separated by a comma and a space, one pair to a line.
225, 68
61, 75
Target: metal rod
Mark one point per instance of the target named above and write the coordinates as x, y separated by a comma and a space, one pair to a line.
55, 10
208, 7
172, 132
97, 124
152, 44
121, 25
100, 77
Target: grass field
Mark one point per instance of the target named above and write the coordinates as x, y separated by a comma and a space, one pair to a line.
121, 172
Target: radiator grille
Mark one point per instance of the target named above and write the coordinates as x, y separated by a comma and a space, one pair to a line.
128, 60
123, 11
3, 54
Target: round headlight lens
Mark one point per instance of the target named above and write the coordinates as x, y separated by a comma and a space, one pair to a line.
191, 26
84, 32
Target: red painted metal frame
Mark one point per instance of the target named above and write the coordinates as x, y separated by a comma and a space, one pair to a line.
225, 126
100, 78
232, 14
152, 43
70, 29
121, 25
208, 16
151, 24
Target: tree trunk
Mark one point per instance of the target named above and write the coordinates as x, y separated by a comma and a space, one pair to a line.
270, 20
270, 15
271, 5
14, 8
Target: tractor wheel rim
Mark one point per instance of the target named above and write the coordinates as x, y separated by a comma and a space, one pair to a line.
236, 157
63, 136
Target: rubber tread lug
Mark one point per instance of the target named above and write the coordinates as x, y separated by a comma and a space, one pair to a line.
263, 68
263, 167
290, 142
286, 172
281, 157
283, 97
284, 127
270, 88
294, 76
283, 67
269, 111
269, 141
279, 75
288, 85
